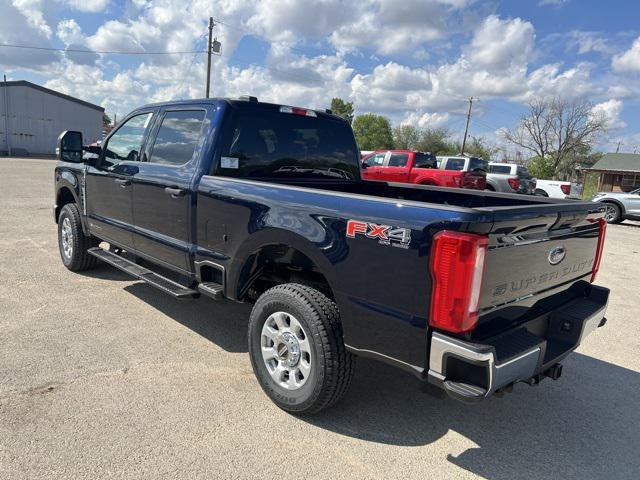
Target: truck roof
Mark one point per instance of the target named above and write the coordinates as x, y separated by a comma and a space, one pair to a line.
245, 99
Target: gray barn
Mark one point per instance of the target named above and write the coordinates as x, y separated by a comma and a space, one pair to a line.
34, 116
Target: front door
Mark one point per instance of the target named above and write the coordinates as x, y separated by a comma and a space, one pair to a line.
374, 166
108, 184
162, 189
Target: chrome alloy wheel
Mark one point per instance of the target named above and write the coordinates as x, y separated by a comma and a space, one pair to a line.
66, 237
610, 213
286, 350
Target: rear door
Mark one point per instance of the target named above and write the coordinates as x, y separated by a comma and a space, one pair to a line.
396, 168
162, 191
108, 184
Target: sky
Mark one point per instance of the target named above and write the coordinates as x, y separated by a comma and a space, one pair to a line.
414, 61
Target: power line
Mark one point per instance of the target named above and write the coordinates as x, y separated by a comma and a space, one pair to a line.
105, 52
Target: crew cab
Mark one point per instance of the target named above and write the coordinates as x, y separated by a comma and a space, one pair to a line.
415, 167
510, 178
473, 169
241, 200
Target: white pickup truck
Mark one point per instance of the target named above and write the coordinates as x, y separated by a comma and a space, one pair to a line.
553, 188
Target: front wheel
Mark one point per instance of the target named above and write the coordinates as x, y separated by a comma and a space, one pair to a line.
296, 348
72, 241
612, 214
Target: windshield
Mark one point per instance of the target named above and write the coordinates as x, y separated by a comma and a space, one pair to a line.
262, 142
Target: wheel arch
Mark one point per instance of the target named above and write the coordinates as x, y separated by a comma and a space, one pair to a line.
616, 202
274, 257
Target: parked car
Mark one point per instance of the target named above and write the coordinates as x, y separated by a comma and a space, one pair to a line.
474, 169
553, 188
620, 205
409, 166
471, 291
510, 178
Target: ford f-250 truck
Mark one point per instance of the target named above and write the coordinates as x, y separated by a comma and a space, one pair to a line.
470, 290
409, 166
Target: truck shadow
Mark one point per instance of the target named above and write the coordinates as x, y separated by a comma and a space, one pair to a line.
586, 425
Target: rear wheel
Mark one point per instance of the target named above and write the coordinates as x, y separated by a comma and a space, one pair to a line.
296, 348
612, 214
541, 193
490, 188
72, 242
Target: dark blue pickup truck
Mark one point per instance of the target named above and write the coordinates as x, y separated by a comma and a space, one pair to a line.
254, 202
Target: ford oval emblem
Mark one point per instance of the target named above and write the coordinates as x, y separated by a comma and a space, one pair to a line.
556, 255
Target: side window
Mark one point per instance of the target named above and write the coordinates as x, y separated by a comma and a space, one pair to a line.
398, 160
126, 142
425, 161
177, 137
506, 169
455, 164
375, 160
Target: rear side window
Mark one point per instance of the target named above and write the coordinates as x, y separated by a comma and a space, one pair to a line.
177, 137
398, 160
476, 164
500, 169
262, 142
455, 164
424, 160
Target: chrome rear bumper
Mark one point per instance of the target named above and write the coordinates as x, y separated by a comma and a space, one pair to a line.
472, 371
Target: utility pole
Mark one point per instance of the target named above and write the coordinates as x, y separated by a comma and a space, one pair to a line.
466, 128
209, 54
6, 118
618, 147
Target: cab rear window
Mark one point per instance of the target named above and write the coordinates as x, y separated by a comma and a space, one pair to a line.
263, 142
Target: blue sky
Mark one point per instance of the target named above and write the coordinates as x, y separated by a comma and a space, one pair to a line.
414, 61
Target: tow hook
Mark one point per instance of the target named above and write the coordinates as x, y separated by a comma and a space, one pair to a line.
555, 372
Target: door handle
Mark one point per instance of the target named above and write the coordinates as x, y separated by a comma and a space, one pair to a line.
174, 192
124, 182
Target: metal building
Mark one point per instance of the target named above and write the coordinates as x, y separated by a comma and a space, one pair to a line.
32, 117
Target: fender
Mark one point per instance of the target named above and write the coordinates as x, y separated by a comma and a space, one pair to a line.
275, 236
68, 180
617, 202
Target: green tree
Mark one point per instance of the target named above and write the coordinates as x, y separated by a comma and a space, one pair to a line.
434, 140
106, 120
405, 137
541, 167
342, 109
476, 147
372, 132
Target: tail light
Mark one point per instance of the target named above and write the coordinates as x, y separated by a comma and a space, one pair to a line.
566, 188
514, 183
473, 180
457, 264
602, 223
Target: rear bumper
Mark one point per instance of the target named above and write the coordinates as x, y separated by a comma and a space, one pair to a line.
472, 371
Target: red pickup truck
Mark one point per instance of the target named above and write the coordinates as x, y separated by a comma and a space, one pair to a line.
409, 166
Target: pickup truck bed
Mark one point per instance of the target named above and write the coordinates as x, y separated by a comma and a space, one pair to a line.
466, 289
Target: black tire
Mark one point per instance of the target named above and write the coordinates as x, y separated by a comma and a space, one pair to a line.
490, 188
541, 193
613, 214
331, 365
76, 259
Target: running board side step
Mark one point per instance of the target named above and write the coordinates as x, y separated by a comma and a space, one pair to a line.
162, 283
211, 289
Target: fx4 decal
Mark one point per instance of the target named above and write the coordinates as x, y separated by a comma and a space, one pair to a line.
385, 234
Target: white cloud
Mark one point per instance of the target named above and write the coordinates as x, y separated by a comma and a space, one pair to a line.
498, 43
628, 61
69, 32
32, 11
426, 120
553, 3
93, 6
610, 112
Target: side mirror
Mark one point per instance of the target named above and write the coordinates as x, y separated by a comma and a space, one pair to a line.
69, 148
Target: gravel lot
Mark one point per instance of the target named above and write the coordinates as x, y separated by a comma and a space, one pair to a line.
104, 377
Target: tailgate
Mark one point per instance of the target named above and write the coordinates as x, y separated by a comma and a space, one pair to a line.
537, 248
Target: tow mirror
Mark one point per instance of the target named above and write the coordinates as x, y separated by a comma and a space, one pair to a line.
69, 148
